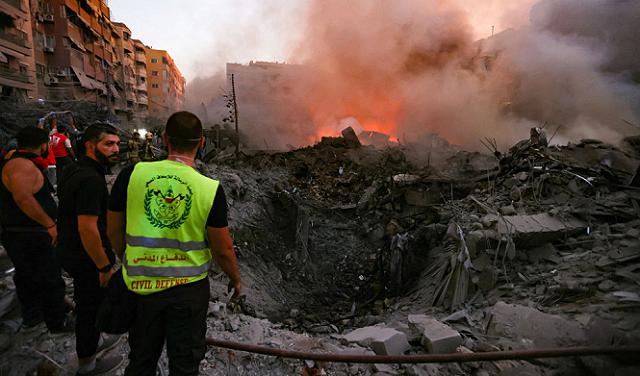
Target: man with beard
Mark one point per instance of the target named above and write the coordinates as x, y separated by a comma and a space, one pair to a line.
28, 218
85, 252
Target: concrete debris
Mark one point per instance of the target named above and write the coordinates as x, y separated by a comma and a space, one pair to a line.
350, 137
545, 330
334, 237
383, 341
536, 229
437, 338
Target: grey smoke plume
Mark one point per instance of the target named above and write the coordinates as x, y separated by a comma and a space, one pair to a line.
413, 67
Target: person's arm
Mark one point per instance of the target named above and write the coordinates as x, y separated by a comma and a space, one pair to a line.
21, 181
116, 216
67, 145
224, 255
116, 232
90, 237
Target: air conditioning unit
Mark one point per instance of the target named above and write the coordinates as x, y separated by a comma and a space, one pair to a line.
49, 17
48, 49
61, 72
49, 79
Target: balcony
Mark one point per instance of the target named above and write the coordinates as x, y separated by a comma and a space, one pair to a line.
141, 72
14, 3
18, 38
72, 4
98, 50
128, 46
141, 87
14, 75
141, 57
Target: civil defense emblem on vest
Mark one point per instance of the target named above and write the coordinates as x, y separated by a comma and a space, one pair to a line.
168, 201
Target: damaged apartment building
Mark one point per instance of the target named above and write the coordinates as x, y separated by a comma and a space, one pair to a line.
71, 51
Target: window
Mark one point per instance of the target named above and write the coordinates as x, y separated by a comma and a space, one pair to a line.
164, 60
23, 69
154, 73
40, 70
155, 86
154, 60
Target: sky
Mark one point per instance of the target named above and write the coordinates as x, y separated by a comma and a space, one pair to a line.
202, 38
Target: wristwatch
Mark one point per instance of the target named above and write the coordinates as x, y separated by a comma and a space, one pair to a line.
106, 268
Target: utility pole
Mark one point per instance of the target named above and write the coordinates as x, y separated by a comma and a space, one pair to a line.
492, 29
235, 111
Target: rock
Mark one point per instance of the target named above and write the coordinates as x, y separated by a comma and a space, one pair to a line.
606, 285
479, 240
429, 369
383, 341
385, 368
536, 229
350, 137
545, 330
217, 309
437, 337
522, 176
508, 210
545, 252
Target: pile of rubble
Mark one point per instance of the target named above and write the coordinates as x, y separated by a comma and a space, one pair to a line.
346, 248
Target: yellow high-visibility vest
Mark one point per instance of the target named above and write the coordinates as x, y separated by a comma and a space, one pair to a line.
168, 204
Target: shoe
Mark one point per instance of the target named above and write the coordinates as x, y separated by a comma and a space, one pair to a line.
108, 343
67, 326
103, 366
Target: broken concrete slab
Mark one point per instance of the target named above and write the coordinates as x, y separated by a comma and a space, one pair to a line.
350, 137
383, 341
536, 229
437, 337
545, 330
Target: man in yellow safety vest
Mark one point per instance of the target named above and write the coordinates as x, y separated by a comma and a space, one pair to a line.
166, 222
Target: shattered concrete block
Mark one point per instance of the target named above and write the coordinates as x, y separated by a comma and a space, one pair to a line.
536, 229
350, 137
480, 240
383, 341
437, 338
390, 343
545, 330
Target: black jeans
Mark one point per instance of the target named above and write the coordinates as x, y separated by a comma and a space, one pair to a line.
61, 163
39, 285
178, 314
88, 295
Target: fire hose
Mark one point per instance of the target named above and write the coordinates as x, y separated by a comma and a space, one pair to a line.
427, 358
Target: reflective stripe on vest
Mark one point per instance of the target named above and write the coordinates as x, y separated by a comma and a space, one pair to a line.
168, 204
143, 241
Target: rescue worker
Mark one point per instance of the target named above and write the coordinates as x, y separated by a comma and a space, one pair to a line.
28, 216
166, 221
134, 145
147, 148
62, 150
84, 248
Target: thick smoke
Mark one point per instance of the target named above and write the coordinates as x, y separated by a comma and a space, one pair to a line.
414, 67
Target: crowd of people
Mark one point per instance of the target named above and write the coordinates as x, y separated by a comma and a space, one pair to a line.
163, 223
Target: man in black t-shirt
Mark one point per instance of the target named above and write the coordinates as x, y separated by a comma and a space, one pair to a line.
171, 280
84, 249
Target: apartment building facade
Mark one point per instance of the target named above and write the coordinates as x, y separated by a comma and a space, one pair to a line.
71, 50
17, 66
165, 84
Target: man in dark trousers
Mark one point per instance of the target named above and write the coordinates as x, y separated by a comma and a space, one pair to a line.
28, 216
166, 222
84, 247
